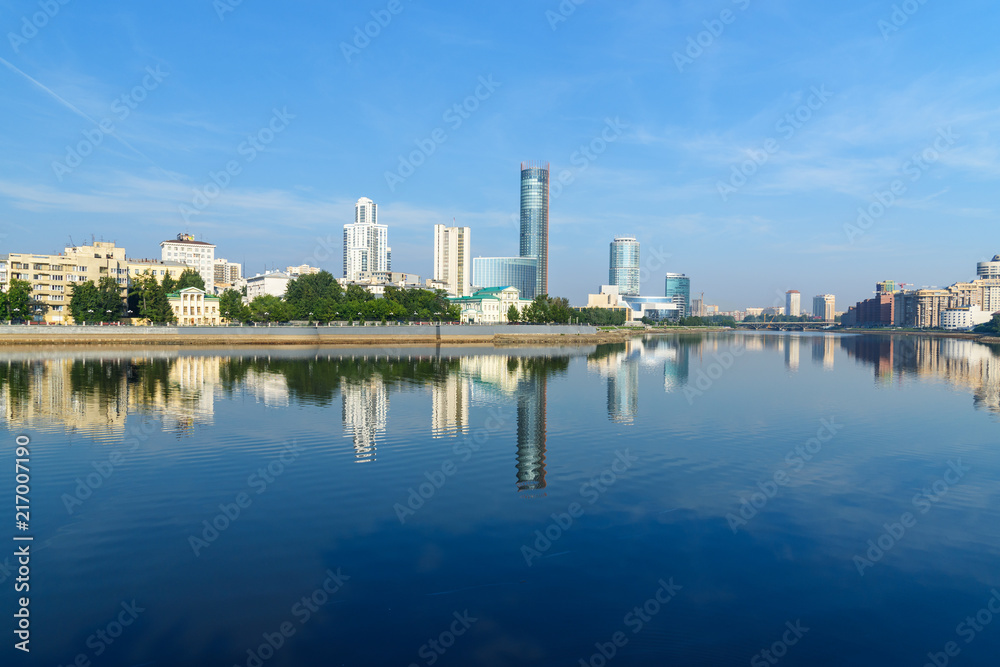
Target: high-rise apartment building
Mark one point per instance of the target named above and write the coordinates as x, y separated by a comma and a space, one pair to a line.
535, 220
366, 243
677, 287
989, 270
824, 307
453, 259
793, 303
624, 265
199, 255
226, 273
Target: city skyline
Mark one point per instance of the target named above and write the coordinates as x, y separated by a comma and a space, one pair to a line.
258, 171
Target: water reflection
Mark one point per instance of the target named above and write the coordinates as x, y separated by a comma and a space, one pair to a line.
964, 363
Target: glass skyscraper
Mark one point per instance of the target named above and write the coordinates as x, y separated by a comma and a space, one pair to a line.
678, 289
519, 272
535, 221
624, 263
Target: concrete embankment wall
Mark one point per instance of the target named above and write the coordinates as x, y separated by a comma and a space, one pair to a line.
290, 335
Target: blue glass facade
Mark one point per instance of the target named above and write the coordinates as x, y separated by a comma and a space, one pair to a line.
519, 272
678, 288
624, 265
535, 220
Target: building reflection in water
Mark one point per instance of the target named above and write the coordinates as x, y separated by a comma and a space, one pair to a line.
822, 351
967, 364
531, 431
792, 345
365, 412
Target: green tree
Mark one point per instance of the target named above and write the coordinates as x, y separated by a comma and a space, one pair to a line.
268, 308
190, 278
85, 304
513, 314
232, 308
18, 301
148, 300
109, 299
307, 293
168, 283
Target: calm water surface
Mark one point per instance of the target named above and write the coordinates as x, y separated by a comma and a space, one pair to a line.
688, 500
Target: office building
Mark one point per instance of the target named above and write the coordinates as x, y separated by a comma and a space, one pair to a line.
453, 259
271, 283
198, 255
366, 243
535, 221
793, 303
988, 270
824, 307
624, 265
677, 287
519, 272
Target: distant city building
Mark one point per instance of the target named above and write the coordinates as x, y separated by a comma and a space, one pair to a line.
198, 255
772, 311
366, 243
453, 259
920, 309
535, 221
304, 270
754, 312
697, 308
273, 283
824, 307
519, 272
677, 287
489, 306
624, 265
659, 308
964, 318
989, 270
193, 306
226, 274
793, 303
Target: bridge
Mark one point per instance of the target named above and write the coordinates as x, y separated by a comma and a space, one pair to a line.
786, 326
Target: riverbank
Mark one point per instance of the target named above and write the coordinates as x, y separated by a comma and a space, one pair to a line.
357, 336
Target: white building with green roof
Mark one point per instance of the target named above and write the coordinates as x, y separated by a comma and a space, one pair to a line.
490, 305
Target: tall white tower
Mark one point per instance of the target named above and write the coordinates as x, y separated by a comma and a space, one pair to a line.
366, 243
453, 258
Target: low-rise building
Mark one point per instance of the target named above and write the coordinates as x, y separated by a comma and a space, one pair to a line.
193, 306
490, 305
959, 319
304, 270
273, 283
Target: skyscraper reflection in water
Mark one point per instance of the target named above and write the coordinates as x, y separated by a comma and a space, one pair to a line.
365, 409
531, 433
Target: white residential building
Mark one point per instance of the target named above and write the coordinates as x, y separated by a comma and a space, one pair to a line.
490, 306
964, 318
453, 259
366, 243
273, 283
199, 255
793, 303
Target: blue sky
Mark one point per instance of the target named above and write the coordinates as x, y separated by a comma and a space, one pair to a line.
668, 97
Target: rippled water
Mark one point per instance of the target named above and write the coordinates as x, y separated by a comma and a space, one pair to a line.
690, 500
